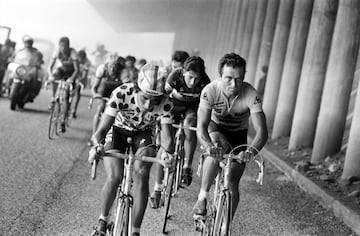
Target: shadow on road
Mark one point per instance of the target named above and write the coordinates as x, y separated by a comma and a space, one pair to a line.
30, 110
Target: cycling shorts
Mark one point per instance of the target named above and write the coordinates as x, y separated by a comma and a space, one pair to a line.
234, 138
186, 110
105, 89
116, 138
63, 72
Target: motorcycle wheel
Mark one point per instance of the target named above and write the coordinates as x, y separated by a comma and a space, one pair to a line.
13, 95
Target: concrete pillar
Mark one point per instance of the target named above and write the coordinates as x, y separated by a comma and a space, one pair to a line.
230, 37
277, 58
292, 68
256, 41
313, 73
217, 42
352, 157
249, 27
272, 10
338, 81
237, 8
241, 25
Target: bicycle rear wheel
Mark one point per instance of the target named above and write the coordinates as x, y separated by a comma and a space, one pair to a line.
223, 215
54, 120
168, 195
122, 220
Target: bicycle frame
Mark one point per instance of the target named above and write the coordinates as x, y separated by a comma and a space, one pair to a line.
222, 195
56, 107
124, 198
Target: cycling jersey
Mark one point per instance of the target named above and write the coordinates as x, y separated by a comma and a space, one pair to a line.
124, 105
183, 93
66, 61
108, 83
102, 72
235, 115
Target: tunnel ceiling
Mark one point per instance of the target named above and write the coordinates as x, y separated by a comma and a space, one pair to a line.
154, 15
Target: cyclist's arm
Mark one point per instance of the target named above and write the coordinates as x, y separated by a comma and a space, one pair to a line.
51, 66
259, 123
204, 115
76, 70
168, 141
104, 126
95, 86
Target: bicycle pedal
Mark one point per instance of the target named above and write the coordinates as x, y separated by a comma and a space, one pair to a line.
199, 222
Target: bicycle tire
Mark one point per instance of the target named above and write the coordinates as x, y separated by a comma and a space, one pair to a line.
223, 215
168, 195
54, 120
178, 172
121, 225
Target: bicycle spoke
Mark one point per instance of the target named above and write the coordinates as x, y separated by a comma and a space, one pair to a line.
168, 196
121, 225
223, 215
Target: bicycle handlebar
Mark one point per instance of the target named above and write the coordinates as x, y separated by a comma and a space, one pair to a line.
184, 127
116, 154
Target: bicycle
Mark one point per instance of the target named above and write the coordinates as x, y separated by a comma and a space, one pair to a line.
172, 179
219, 216
62, 92
124, 200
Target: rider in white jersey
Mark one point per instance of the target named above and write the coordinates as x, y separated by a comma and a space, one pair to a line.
223, 118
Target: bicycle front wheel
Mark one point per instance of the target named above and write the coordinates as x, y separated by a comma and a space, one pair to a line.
54, 120
178, 171
122, 220
223, 215
168, 195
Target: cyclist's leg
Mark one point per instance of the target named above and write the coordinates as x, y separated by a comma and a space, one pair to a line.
141, 177
210, 168
156, 195
190, 143
66, 105
77, 99
114, 173
236, 138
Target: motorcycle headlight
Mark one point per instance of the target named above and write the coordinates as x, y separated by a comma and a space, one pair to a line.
21, 70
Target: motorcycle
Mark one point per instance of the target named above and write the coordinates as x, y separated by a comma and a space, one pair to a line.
25, 83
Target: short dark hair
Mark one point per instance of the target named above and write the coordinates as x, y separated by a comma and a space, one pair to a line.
65, 40
196, 64
130, 58
180, 56
82, 54
233, 60
142, 61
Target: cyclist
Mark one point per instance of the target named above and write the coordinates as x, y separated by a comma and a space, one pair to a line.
185, 85
140, 63
82, 79
131, 73
223, 118
107, 78
177, 60
132, 111
64, 65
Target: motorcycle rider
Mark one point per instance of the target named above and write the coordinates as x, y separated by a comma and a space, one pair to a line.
33, 58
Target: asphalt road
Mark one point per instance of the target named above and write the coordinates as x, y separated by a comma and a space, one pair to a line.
45, 187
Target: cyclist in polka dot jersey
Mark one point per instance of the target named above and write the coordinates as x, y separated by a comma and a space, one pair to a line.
132, 111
